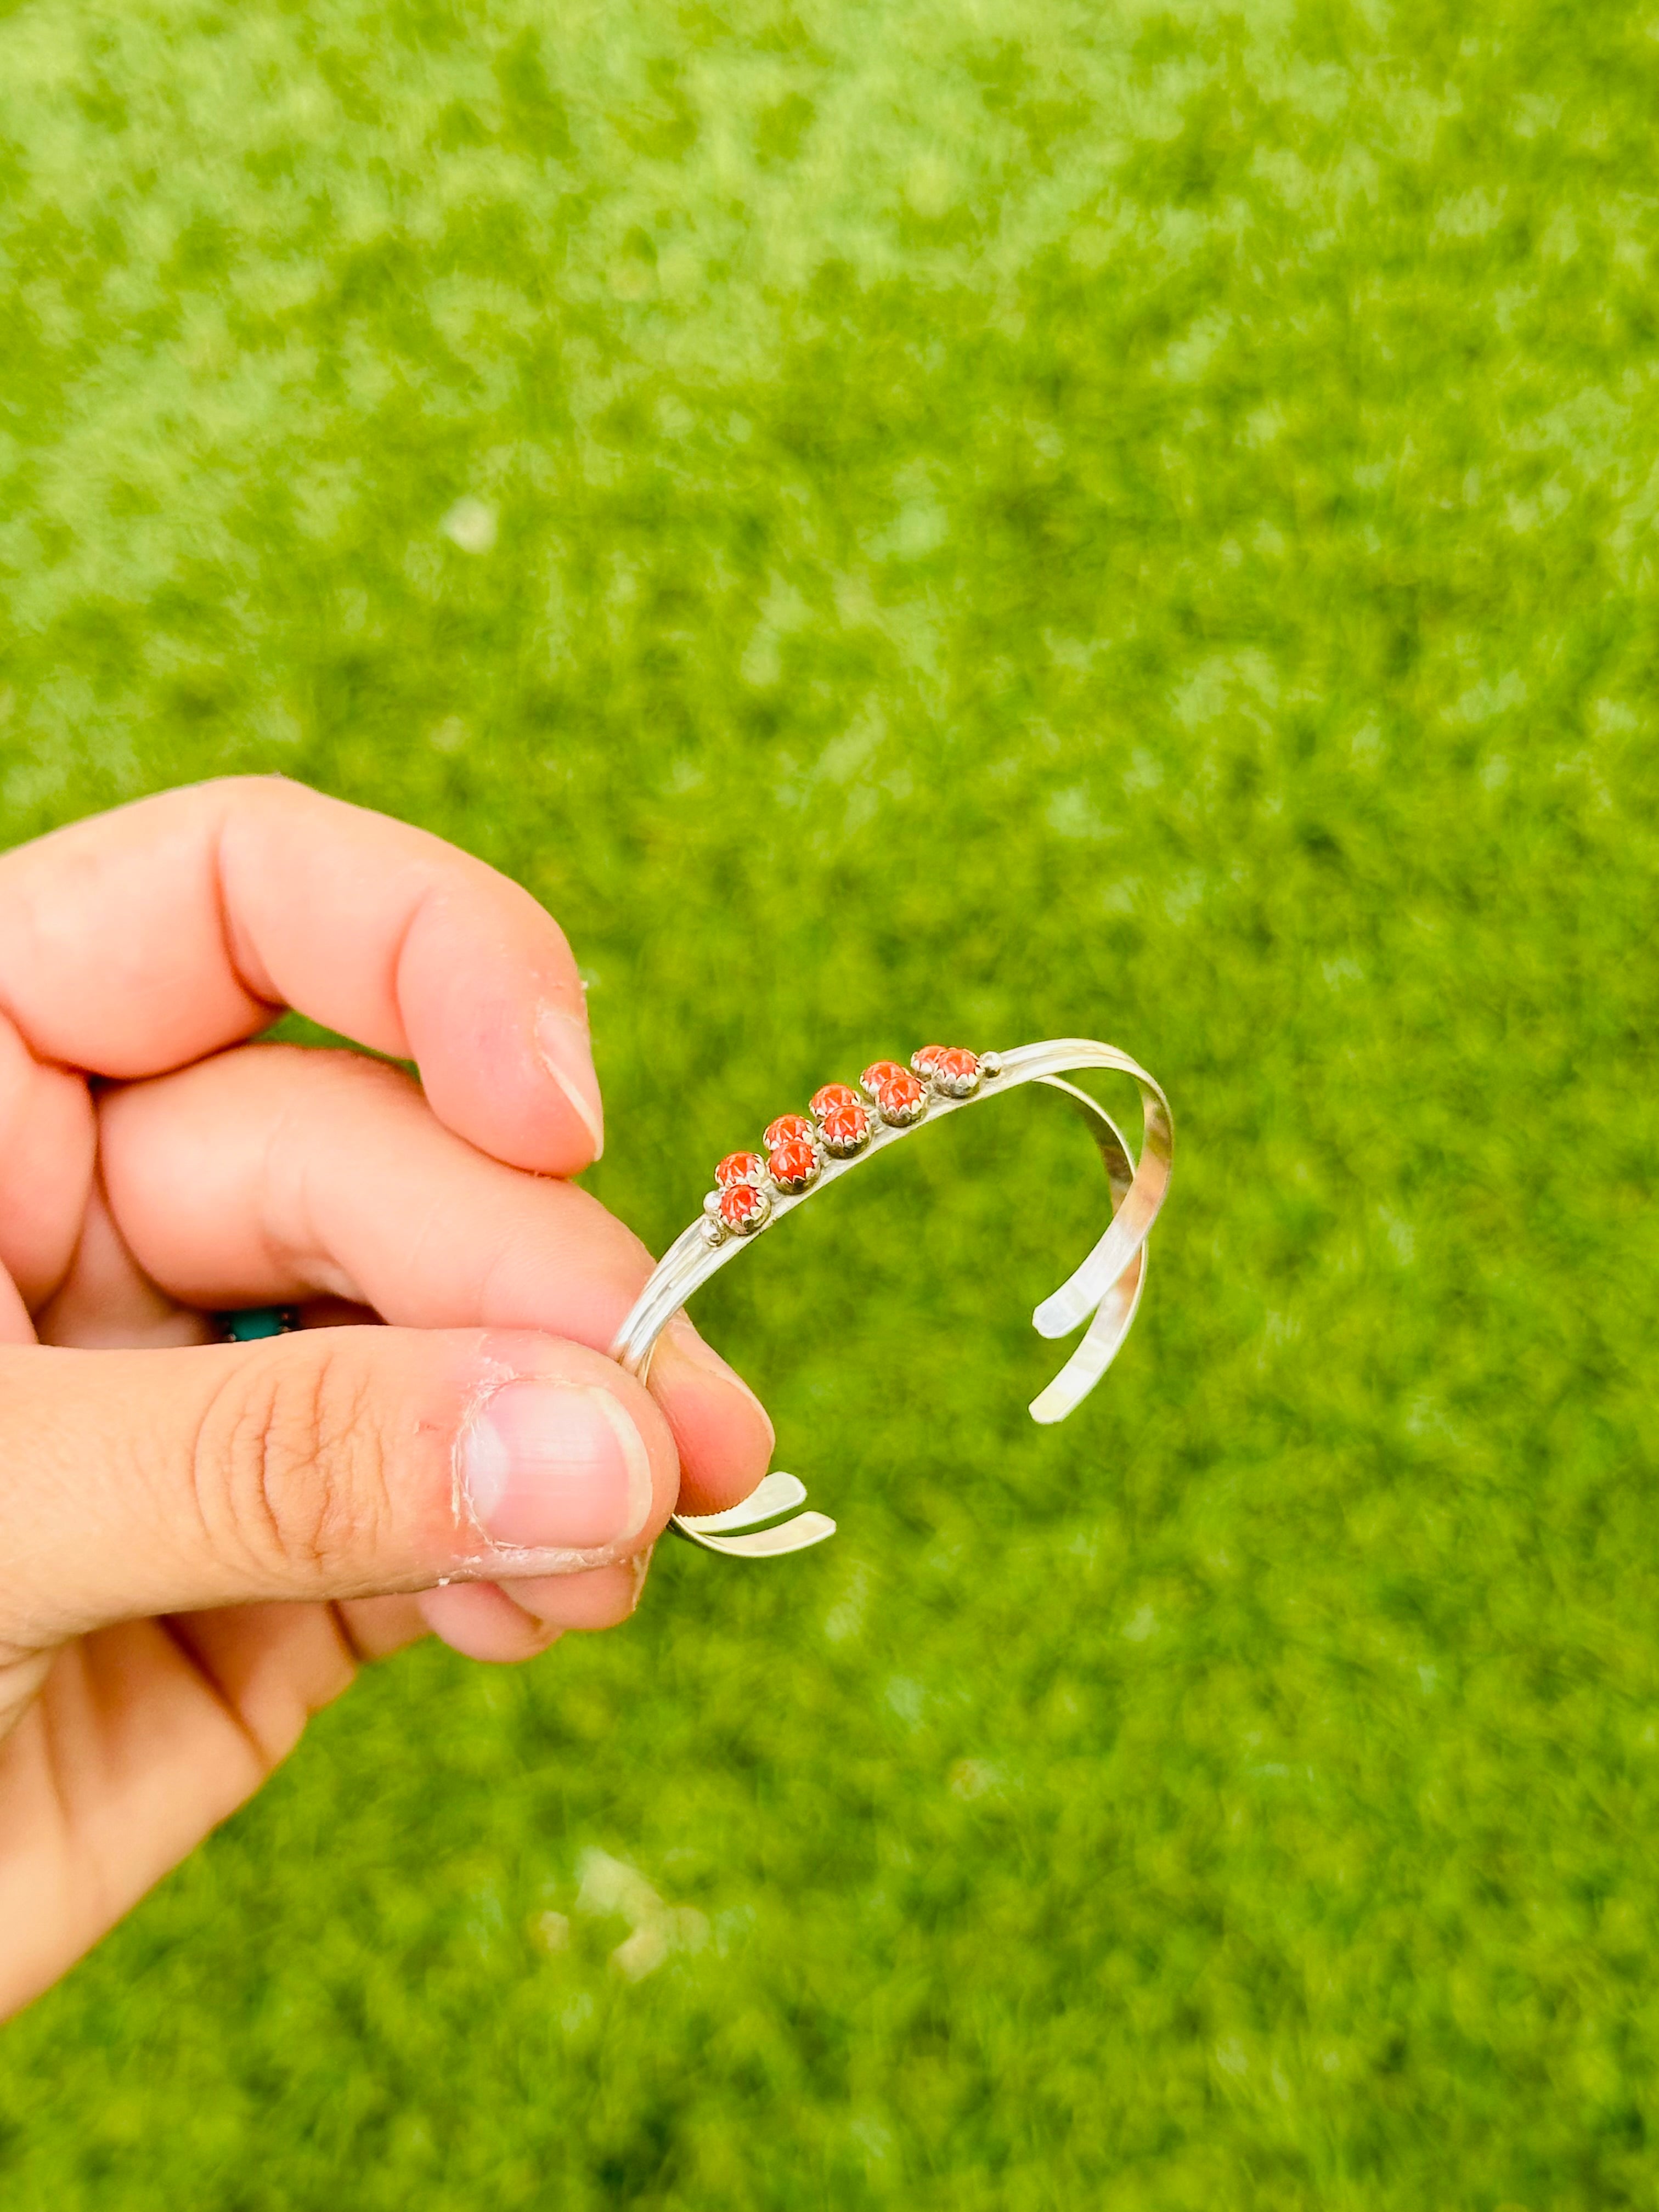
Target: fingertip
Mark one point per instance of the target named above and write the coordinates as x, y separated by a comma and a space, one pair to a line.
480, 1622
724, 1434
488, 1074
504, 1624
493, 1009
600, 1598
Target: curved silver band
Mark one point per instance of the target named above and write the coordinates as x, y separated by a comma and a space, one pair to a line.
1104, 1292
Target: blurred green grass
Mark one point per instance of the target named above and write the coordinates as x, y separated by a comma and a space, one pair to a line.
1010, 519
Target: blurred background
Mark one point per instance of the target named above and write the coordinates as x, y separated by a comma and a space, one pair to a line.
988, 519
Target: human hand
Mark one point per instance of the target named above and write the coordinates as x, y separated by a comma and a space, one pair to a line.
199, 1542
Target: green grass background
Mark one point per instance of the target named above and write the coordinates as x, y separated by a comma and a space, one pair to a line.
1014, 518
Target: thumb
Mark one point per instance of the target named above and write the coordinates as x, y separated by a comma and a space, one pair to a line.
330, 1464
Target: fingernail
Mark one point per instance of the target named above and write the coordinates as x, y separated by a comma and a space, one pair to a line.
641, 1564
557, 1465
680, 1340
567, 1056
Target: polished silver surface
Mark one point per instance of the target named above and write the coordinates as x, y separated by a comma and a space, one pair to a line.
1104, 1292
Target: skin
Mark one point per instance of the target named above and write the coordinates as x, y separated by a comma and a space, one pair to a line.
203, 1542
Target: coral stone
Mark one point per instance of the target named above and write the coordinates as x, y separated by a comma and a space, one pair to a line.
738, 1168
846, 1129
952, 1071
793, 1165
879, 1073
788, 1129
743, 1207
902, 1100
832, 1096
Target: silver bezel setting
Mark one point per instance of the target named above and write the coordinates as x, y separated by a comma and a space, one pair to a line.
798, 1189
944, 1086
845, 1148
902, 1117
711, 1209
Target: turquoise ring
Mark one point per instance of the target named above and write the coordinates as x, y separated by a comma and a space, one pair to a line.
251, 1322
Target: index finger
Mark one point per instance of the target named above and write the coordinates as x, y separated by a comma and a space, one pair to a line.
139, 940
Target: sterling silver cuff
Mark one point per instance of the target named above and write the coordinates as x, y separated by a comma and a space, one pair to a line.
804, 1154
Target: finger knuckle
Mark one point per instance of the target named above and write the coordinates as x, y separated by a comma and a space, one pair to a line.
290, 1467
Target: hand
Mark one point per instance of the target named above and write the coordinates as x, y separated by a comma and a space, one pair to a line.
199, 1542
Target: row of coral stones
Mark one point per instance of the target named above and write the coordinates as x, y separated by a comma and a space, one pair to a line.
841, 1125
